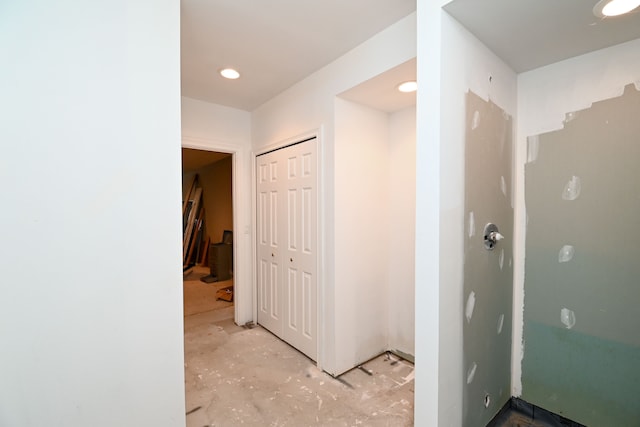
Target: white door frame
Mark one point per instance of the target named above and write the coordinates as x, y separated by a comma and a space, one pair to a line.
241, 285
320, 288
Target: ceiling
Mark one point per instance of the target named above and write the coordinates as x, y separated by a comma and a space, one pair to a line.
277, 43
528, 34
380, 92
274, 44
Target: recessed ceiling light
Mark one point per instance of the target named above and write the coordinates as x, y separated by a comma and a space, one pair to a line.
410, 86
229, 73
605, 8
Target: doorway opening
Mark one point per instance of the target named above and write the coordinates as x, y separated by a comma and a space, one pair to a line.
208, 228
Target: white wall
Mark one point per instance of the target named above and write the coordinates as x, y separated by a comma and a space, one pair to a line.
215, 123
427, 254
545, 96
451, 61
362, 275
309, 106
91, 290
213, 127
402, 216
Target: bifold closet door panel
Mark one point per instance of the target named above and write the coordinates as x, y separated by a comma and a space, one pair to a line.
268, 243
287, 247
299, 248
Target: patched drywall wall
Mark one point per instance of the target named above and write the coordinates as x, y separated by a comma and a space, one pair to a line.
451, 62
488, 273
581, 312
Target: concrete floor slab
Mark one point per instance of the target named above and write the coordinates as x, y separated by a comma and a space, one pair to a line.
236, 376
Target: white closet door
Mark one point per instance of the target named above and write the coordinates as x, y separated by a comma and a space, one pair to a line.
268, 245
287, 247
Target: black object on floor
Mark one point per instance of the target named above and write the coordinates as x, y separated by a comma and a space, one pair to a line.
221, 257
519, 413
209, 279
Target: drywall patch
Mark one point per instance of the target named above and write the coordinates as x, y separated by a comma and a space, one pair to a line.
472, 225
568, 318
475, 121
500, 323
471, 303
566, 253
570, 116
572, 189
471, 372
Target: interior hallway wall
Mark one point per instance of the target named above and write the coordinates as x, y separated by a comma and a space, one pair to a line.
402, 218
213, 127
309, 106
580, 325
362, 168
90, 277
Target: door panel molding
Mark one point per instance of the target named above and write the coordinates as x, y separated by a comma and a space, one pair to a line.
292, 249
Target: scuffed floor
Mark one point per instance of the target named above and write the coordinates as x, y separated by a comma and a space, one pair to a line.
519, 413
236, 376
200, 297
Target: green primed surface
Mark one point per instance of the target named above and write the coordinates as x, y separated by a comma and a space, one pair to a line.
488, 164
587, 379
589, 371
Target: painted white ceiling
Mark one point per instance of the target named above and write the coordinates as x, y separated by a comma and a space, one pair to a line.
380, 92
528, 34
277, 43
274, 43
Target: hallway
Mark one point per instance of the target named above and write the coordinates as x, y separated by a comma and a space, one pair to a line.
246, 376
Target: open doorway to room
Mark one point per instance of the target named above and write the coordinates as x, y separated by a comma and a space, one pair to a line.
207, 215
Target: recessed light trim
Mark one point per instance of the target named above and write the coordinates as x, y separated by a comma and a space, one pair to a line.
407, 87
608, 8
229, 73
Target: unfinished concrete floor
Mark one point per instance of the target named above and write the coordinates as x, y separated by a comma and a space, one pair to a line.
237, 376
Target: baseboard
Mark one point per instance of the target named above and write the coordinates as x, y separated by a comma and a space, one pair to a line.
406, 356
